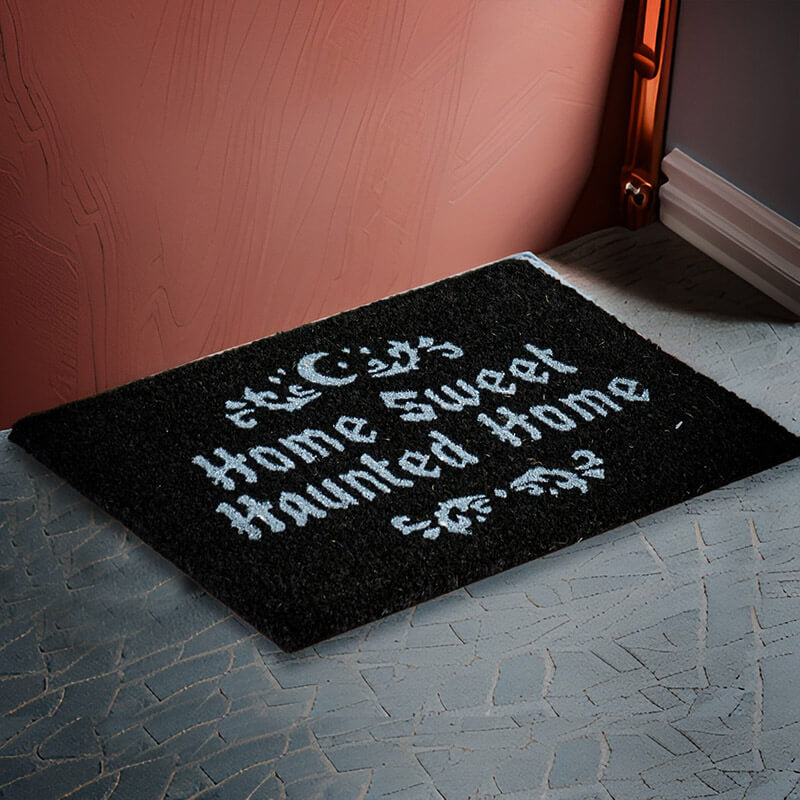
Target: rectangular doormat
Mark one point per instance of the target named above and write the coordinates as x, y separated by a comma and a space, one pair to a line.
329, 475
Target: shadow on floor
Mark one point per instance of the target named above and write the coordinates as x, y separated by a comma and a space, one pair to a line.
678, 276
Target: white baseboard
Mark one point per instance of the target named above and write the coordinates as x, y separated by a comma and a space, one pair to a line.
737, 231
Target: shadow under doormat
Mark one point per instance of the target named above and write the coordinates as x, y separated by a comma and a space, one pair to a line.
329, 475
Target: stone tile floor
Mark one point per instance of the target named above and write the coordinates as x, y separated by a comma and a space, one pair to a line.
659, 660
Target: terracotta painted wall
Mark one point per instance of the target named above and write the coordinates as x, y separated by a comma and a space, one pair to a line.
181, 176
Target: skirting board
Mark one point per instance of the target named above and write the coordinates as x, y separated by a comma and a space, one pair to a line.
747, 237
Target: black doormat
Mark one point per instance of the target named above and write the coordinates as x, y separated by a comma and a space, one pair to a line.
332, 474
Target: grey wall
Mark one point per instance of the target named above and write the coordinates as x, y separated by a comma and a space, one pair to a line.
735, 97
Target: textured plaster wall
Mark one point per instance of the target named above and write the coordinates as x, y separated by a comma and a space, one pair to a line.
181, 177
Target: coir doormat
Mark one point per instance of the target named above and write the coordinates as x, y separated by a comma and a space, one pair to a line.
335, 473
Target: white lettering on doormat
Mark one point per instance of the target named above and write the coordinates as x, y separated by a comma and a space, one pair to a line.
493, 400
323, 370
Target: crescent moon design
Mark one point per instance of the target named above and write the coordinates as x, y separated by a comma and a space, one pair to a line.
307, 368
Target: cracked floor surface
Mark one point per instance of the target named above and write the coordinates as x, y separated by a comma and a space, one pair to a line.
658, 660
